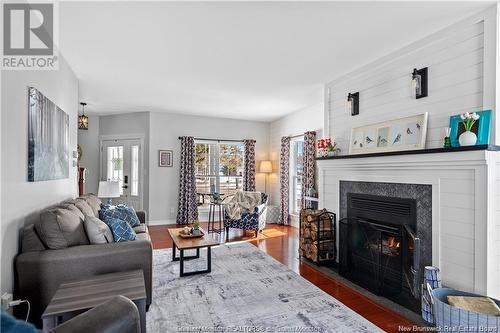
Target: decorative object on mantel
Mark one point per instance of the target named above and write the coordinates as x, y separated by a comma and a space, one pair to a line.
353, 103
447, 141
165, 158
480, 127
394, 135
468, 138
83, 120
326, 147
419, 82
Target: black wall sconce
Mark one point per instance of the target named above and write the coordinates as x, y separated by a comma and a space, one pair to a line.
353, 103
419, 82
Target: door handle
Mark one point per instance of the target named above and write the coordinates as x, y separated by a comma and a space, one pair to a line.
125, 186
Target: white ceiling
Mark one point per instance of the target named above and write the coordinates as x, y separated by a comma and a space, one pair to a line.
244, 60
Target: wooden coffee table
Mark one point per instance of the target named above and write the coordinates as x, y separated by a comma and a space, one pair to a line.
183, 244
74, 298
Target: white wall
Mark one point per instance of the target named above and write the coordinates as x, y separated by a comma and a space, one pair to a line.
307, 119
130, 124
461, 60
22, 199
89, 143
164, 132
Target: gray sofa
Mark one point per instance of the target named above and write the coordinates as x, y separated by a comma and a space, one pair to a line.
52, 255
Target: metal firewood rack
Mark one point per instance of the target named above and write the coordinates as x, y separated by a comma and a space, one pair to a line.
317, 236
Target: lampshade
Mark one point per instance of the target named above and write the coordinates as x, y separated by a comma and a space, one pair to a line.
108, 189
266, 167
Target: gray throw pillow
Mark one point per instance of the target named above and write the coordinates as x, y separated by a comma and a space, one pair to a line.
97, 231
59, 228
94, 202
84, 207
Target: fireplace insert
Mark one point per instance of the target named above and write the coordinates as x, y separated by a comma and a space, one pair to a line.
378, 248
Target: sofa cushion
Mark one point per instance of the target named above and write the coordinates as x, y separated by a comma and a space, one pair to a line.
98, 232
59, 228
83, 206
140, 229
72, 208
30, 240
94, 202
121, 212
122, 231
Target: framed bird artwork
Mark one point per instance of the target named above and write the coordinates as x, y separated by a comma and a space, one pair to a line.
407, 133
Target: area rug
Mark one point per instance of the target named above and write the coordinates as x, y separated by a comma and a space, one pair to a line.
247, 291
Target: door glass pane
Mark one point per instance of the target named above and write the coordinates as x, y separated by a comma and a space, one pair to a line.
115, 165
134, 170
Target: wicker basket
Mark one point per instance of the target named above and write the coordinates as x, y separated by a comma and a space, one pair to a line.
452, 319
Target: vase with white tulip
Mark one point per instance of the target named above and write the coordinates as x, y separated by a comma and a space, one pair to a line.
468, 138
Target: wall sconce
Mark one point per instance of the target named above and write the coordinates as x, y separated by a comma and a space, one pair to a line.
83, 120
353, 103
419, 82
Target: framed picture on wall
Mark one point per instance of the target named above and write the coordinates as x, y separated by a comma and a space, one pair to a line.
394, 135
165, 158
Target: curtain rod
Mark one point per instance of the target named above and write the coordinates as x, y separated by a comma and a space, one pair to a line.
218, 140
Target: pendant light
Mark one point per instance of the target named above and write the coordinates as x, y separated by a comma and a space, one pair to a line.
83, 120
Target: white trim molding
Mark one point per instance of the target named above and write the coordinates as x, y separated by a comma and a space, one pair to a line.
465, 207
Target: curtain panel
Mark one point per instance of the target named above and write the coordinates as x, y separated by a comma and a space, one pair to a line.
188, 205
249, 166
309, 172
284, 180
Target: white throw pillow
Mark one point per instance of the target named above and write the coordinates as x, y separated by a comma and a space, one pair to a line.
98, 232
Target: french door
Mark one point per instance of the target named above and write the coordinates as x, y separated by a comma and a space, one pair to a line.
121, 160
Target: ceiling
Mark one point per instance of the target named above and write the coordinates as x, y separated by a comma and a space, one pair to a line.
243, 60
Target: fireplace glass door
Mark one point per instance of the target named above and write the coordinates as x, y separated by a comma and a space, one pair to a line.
376, 255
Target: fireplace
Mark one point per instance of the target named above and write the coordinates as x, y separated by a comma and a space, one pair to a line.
378, 247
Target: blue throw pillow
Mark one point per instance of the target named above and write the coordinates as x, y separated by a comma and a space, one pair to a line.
122, 231
121, 212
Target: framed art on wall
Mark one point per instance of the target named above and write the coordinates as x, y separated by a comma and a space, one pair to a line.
48, 139
481, 128
165, 158
394, 135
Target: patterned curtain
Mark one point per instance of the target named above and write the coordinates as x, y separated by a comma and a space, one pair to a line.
284, 180
249, 166
188, 206
309, 171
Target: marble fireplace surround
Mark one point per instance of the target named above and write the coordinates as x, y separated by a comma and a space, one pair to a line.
422, 194
465, 233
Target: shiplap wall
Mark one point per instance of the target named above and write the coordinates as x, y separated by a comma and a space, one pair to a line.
455, 76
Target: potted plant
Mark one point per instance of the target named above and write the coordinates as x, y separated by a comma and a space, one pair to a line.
468, 138
196, 227
327, 147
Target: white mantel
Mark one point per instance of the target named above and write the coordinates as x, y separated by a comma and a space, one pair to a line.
465, 207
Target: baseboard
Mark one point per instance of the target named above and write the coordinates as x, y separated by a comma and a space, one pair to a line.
162, 222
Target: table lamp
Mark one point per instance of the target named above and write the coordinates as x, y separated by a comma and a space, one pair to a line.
267, 168
109, 190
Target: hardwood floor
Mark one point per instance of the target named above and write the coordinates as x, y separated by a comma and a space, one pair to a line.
281, 242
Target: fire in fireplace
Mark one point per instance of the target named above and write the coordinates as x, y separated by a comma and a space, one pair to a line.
378, 248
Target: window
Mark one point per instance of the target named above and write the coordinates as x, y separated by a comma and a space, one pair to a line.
218, 167
296, 169
134, 182
115, 165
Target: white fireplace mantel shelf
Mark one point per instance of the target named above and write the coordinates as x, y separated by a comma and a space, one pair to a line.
465, 204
